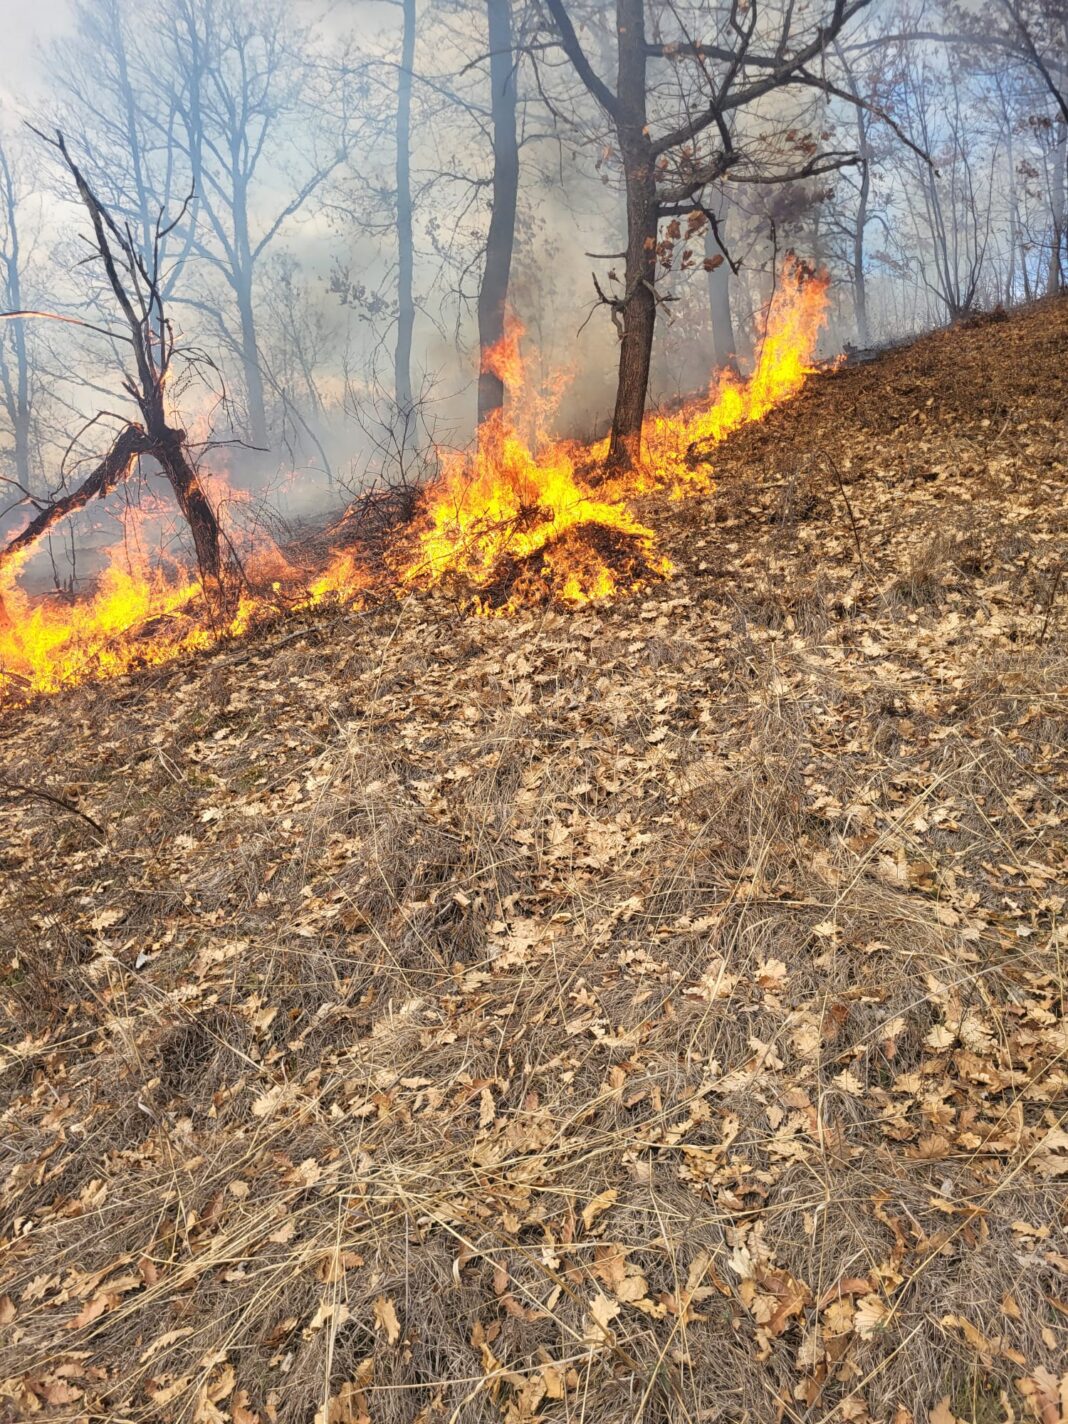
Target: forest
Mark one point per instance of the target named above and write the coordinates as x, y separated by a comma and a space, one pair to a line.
533, 744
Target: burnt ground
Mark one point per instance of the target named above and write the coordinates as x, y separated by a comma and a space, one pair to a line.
654, 1012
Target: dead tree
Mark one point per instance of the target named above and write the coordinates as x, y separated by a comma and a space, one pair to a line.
134, 283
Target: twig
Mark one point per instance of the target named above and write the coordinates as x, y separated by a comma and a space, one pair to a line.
849, 511
42, 795
1049, 603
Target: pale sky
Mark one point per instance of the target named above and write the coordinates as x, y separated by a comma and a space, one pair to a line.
23, 26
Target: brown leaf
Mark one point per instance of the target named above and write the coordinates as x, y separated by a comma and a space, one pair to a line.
92, 1310
386, 1318
600, 1203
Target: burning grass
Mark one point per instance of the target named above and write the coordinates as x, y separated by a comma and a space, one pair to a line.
647, 1012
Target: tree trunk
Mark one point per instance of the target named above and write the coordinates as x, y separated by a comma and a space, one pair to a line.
250, 359
23, 412
638, 306
402, 357
241, 280
169, 449
724, 344
1014, 216
16, 388
493, 293
1054, 276
860, 286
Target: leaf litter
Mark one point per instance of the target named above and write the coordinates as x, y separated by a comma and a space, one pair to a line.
653, 1012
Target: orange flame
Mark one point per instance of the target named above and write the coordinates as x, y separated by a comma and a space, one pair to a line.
510, 501
784, 362
504, 360
517, 520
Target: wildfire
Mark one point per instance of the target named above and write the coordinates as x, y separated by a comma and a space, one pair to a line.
497, 520
515, 521
784, 362
133, 617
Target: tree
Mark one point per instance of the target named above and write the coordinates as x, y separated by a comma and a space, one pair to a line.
950, 204
493, 291
137, 294
402, 381
212, 101
667, 162
1034, 35
1035, 32
16, 371
724, 341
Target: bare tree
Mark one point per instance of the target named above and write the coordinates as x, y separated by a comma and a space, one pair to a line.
245, 87
1031, 35
1035, 33
136, 291
16, 371
493, 291
402, 381
950, 203
218, 99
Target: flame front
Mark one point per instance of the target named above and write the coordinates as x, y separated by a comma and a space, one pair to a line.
519, 519
509, 506
783, 364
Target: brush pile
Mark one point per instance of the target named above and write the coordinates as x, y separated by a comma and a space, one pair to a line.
585, 561
650, 1012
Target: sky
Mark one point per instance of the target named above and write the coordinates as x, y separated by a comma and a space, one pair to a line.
24, 27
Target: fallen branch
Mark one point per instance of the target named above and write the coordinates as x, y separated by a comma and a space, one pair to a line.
38, 793
849, 511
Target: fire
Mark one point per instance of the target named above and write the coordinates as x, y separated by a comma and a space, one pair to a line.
46, 644
343, 580
503, 519
784, 362
518, 519
501, 522
504, 507
505, 360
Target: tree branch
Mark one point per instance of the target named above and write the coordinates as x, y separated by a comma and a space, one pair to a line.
575, 53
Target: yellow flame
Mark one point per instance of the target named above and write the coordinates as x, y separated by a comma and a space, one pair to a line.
518, 519
515, 497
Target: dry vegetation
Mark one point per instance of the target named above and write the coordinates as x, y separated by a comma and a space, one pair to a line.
653, 1013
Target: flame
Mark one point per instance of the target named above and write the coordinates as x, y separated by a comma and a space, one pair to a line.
343, 580
784, 362
46, 644
504, 359
517, 500
520, 518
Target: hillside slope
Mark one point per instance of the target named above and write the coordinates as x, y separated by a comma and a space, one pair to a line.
650, 1013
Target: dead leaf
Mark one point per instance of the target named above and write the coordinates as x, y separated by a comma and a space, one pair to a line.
600, 1203
386, 1318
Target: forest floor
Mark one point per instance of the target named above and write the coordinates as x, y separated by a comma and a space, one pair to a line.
649, 1013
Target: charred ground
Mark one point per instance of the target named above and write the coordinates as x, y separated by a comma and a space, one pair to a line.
653, 1012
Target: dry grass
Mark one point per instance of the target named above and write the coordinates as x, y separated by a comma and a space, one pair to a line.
649, 1014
